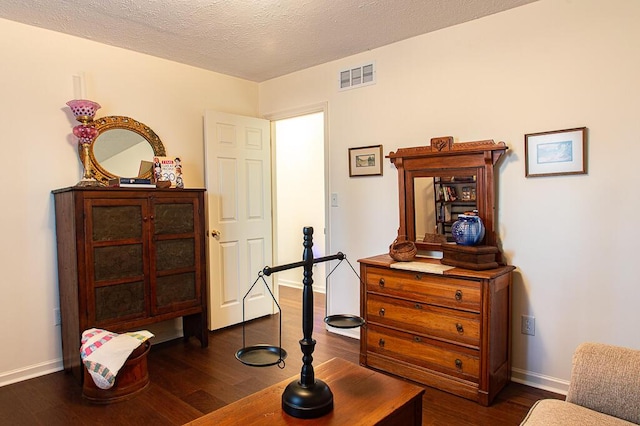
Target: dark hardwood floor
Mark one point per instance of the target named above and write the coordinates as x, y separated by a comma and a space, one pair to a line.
187, 381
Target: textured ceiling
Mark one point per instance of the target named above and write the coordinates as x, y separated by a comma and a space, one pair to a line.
252, 39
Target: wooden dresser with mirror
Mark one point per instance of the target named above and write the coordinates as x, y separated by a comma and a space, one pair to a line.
443, 326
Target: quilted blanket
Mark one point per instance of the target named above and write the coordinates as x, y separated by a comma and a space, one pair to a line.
104, 353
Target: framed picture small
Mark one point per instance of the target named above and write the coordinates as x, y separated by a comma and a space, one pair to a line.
365, 161
558, 152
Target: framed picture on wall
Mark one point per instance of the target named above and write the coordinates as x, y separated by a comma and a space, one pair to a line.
558, 152
365, 161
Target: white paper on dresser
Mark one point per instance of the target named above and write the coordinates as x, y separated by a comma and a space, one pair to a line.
432, 268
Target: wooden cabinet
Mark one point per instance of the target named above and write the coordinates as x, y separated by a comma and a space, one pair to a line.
450, 331
128, 258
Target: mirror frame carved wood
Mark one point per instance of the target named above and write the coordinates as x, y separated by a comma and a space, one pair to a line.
104, 124
444, 157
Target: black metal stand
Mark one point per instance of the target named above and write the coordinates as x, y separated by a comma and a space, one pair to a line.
308, 397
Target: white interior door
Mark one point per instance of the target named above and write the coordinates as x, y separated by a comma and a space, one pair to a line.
238, 180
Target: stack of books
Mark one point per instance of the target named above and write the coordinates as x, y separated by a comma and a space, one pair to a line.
121, 182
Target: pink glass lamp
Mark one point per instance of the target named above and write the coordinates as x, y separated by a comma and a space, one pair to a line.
84, 111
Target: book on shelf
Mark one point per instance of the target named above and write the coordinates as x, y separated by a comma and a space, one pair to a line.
448, 193
447, 213
444, 196
453, 196
121, 182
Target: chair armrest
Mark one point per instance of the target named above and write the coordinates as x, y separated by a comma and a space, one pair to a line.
606, 378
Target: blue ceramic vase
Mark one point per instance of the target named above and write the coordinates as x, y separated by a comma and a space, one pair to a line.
468, 230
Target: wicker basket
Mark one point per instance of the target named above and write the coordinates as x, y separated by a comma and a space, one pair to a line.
402, 250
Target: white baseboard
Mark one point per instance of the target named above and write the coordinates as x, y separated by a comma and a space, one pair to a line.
31, 371
292, 284
354, 333
163, 332
298, 285
540, 381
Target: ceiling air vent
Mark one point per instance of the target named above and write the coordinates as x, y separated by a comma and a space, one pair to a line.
363, 75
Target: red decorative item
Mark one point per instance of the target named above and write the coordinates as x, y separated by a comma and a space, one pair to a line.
84, 111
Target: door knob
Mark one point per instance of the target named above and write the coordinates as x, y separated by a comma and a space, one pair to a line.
215, 233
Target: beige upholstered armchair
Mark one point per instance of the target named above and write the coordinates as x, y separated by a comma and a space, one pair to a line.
604, 390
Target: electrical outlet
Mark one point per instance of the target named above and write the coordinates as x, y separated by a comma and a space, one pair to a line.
57, 320
528, 325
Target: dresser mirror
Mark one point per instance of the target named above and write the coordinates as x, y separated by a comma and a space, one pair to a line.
423, 172
121, 146
439, 199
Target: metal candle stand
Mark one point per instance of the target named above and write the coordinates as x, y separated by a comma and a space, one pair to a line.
308, 397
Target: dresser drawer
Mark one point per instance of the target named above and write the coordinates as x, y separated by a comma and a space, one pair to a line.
444, 323
422, 352
425, 288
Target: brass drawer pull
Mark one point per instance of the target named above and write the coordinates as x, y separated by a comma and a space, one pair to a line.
381, 343
460, 328
381, 312
418, 276
417, 339
418, 306
459, 364
381, 282
458, 295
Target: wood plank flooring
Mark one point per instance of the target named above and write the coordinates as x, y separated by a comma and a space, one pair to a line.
187, 381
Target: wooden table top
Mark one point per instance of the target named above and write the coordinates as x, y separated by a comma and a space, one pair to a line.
360, 397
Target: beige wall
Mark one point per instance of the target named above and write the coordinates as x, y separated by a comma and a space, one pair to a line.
36, 72
545, 66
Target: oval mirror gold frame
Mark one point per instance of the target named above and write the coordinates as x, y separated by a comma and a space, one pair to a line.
105, 124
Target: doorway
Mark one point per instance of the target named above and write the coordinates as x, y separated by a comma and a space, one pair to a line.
299, 194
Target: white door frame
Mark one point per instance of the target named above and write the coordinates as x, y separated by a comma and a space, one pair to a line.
291, 113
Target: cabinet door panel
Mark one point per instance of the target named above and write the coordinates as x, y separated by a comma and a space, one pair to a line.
118, 302
178, 288
112, 223
116, 251
174, 266
173, 218
175, 254
118, 262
